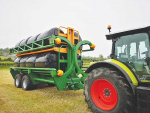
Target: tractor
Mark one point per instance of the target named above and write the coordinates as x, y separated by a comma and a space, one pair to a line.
122, 83
118, 85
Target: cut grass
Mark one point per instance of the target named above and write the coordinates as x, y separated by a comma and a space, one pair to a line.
44, 99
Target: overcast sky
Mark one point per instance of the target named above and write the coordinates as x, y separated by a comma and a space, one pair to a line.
20, 19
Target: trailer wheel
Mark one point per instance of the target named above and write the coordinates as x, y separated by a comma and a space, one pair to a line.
27, 83
17, 81
107, 91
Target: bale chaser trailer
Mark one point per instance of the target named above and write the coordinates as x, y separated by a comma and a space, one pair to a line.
118, 85
50, 58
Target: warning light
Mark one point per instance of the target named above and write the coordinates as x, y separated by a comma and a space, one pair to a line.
109, 28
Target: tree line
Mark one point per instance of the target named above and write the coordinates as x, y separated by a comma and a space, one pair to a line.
6, 59
95, 59
4, 52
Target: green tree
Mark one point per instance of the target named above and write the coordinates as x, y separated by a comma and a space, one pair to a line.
101, 58
108, 57
5, 51
1, 53
8, 59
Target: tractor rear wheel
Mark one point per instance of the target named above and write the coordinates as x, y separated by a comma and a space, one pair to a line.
17, 81
27, 83
107, 91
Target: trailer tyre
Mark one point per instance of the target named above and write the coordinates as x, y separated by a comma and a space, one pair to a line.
18, 79
27, 83
107, 91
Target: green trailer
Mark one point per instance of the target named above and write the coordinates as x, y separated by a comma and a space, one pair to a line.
72, 77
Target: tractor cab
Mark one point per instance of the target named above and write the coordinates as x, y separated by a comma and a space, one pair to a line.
132, 48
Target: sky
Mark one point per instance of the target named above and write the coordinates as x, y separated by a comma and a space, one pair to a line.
20, 19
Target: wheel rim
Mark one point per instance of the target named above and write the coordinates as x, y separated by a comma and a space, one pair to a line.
104, 94
17, 81
24, 83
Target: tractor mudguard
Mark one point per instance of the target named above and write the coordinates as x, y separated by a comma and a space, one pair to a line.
129, 75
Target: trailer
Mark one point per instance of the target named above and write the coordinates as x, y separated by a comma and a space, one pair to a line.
67, 74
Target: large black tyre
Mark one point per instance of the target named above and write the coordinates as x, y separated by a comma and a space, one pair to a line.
17, 81
27, 83
107, 91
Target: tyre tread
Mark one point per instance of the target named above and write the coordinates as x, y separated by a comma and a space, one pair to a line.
20, 79
30, 85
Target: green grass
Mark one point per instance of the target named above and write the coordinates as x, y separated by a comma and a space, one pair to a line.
6, 63
2, 57
44, 99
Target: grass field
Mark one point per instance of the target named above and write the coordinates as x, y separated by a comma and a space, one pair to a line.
44, 99
6, 63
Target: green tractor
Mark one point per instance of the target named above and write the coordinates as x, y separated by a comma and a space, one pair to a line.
121, 84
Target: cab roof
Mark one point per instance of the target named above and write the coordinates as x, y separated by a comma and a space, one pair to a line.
127, 32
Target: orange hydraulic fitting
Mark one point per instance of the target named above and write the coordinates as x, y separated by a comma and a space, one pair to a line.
60, 73
92, 46
57, 41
